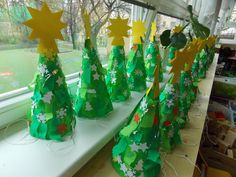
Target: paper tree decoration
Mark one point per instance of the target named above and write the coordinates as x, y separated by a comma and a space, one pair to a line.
51, 113
135, 65
171, 55
116, 78
92, 98
186, 88
136, 152
152, 53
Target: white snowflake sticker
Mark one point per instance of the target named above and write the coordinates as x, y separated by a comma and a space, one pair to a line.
123, 167
43, 69
41, 118
61, 113
143, 147
143, 105
169, 89
169, 103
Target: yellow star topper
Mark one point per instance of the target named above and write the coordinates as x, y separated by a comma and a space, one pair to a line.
177, 29
191, 54
153, 31
118, 30
47, 27
87, 24
178, 64
138, 30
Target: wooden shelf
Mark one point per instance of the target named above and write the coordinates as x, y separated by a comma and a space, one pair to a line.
183, 157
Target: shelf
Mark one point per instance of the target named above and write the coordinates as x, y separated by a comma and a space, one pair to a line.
100, 165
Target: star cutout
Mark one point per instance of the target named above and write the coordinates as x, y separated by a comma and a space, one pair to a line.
138, 30
118, 30
46, 26
94, 67
47, 98
134, 147
136, 118
96, 76
143, 147
59, 81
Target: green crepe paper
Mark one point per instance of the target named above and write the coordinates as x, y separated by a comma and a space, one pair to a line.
92, 98
52, 116
136, 68
116, 78
186, 97
202, 65
169, 126
152, 52
139, 138
171, 55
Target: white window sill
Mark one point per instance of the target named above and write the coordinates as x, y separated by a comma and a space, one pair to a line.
23, 155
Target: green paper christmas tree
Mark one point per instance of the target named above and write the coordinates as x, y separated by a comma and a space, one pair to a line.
116, 78
135, 65
152, 53
136, 152
51, 113
92, 98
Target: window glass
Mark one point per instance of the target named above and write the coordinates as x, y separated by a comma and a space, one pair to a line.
18, 57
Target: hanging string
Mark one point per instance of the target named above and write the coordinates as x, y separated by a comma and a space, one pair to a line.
23, 140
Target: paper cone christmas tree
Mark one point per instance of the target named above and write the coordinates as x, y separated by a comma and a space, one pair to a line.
116, 78
51, 114
136, 152
92, 98
170, 114
152, 53
135, 65
187, 94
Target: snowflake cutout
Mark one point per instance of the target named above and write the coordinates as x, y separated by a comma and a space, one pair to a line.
143, 104
48, 97
149, 56
41, 118
123, 167
61, 113
169, 103
113, 80
171, 133
43, 69
187, 82
118, 158
138, 72
113, 73
169, 89
130, 173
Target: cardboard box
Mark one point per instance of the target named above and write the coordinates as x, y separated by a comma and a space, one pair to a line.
218, 160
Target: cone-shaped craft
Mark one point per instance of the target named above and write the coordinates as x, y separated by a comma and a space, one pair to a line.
116, 78
52, 113
152, 52
92, 98
135, 65
136, 152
